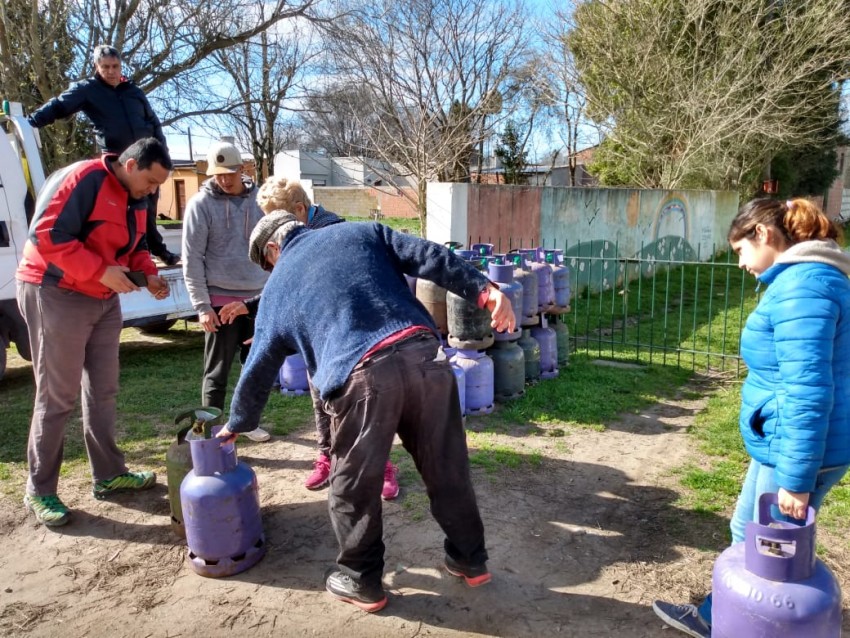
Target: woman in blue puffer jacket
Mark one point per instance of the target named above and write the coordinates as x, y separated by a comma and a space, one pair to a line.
795, 402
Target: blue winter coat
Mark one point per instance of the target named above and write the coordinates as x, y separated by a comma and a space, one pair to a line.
795, 409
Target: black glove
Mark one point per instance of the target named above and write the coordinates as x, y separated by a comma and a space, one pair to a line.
171, 259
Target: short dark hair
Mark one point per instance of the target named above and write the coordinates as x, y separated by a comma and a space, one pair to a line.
105, 51
147, 151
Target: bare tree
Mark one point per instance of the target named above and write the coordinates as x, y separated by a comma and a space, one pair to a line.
434, 70
265, 71
338, 119
167, 45
563, 96
702, 93
36, 57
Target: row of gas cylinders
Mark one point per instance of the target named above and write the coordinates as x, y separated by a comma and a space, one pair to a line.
499, 373
536, 281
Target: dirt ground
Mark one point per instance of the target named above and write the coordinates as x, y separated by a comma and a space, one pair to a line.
579, 546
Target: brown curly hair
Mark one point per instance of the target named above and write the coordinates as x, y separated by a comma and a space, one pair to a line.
796, 219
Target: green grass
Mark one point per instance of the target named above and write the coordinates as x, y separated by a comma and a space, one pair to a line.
714, 486
690, 316
552, 407
405, 224
494, 457
160, 378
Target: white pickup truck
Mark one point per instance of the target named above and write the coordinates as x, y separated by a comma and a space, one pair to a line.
21, 178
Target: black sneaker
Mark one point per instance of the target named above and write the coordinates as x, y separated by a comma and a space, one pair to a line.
343, 587
474, 575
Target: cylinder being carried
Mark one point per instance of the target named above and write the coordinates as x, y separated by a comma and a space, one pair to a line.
773, 584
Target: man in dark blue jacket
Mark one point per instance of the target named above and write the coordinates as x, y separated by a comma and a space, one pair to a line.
120, 113
339, 298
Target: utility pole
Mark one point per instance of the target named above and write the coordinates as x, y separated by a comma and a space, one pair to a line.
189, 133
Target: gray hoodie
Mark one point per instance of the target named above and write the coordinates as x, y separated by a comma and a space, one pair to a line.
823, 251
216, 232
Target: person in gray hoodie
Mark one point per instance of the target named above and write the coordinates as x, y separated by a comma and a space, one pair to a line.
217, 228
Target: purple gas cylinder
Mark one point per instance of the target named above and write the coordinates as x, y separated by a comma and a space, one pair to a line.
482, 249
411, 283
773, 585
548, 341
478, 370
503, 274
221, 511
560, 279
562, 338
460, 377
545, 290
528, 314
293, 376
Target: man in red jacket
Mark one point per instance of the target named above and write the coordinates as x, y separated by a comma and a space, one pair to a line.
87, 235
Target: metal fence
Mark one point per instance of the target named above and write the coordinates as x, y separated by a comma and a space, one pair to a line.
664, 304
685, 312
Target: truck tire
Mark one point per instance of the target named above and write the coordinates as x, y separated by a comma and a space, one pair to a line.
157, 327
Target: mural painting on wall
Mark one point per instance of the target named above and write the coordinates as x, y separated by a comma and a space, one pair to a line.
597, 265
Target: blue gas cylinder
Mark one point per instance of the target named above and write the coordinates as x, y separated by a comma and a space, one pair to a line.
773, 585
293, 376
547, 339
221, 511
478, 371
460, 377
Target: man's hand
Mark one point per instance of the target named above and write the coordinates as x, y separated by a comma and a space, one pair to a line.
229, 312
115, 279
209, 320
158, 287
503, 319
793, 504
226, 435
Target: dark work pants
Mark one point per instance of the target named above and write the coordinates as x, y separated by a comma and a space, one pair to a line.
401, 389
156, 245
220, 348
323, 422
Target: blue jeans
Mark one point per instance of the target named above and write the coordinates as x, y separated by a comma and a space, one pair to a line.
760, 480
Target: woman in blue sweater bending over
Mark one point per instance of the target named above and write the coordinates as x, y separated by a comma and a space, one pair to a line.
795, 401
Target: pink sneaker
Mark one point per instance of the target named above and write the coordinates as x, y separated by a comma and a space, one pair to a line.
390, 490
321, 471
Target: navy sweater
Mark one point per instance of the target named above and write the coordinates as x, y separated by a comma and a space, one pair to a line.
332, 296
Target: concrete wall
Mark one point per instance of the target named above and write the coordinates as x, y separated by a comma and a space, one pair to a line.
361, 202
585, 222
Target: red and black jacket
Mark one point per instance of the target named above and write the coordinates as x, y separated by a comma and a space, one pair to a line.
85, 220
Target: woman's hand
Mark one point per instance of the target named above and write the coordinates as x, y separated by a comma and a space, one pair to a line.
793, 504
230, 311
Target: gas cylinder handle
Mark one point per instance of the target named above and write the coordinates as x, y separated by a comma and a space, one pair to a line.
769, 499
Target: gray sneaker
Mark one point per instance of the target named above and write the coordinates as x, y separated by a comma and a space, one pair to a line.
685, 618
